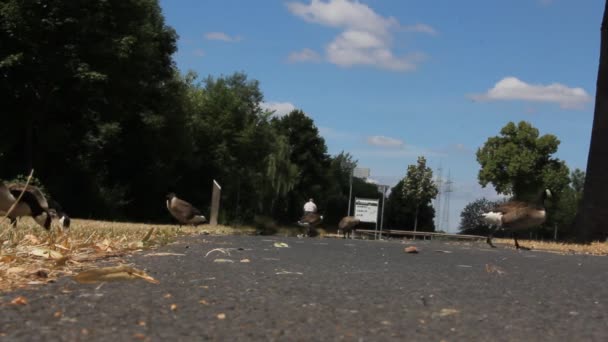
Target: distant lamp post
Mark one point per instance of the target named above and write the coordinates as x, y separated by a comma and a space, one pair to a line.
359, 172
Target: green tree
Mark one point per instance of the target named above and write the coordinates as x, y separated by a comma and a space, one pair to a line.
309, 153
82, 82
400, 211
562, 211
338, 186
418, 186
577, 179
471, 221
281, 174
592, 221
519, 162
233, 138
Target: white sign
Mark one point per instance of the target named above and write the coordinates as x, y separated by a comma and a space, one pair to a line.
366, 209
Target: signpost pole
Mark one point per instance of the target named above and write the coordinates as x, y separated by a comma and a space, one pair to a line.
376, 231
350, 193
384, 187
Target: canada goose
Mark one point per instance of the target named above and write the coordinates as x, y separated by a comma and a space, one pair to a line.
347, 225
517, 215
310, 221
53, 207
184, 212
32, 204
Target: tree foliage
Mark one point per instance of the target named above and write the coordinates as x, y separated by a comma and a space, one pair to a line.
309, 154
471, 221
418, 187
561, 212
400, 212
518, 162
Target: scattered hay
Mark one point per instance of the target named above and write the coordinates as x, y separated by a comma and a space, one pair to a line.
29, 255
118, 273
595, 248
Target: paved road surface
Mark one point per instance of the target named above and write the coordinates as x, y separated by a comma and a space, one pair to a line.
326, 290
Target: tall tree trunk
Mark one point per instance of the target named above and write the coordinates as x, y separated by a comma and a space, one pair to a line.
592, 220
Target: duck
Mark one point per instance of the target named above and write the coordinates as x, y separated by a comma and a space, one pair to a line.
347, 225
517, 215
32, 203
184, 212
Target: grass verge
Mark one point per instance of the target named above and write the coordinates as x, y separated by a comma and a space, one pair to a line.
595, 248
29, 255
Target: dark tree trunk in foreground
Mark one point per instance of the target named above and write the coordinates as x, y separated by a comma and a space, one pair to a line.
592, 220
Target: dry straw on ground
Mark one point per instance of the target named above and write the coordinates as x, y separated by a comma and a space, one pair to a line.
595, 248
29, 255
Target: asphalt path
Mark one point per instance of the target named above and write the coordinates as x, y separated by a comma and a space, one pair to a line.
325, 290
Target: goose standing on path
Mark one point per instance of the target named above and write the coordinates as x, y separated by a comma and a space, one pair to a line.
347, 225
32, 203
310, 221
517, 215
184, 212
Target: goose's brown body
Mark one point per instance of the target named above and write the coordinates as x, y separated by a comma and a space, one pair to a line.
32, 203
347, 225
517, 215
184, 212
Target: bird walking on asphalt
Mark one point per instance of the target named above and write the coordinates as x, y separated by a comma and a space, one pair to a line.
517, 215
310, 221
184, 212
347, 225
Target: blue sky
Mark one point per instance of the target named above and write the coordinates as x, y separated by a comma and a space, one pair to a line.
389, 80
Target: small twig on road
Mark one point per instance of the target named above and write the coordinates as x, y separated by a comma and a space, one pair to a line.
223, 250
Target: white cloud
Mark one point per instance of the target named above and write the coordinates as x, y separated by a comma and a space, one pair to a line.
331, 133
352, 48
407, 151
279, 108
343, 14
421, 28
305, 55
199, 53
382, 141
222, 36
366, 38
371, 181
511, 88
